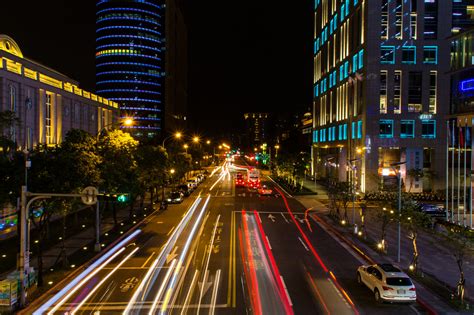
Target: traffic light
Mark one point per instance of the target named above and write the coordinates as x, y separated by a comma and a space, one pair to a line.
122, 198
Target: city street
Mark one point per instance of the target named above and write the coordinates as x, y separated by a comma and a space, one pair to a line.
225, 250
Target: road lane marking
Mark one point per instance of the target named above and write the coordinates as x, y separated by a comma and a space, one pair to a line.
171, 231
286, 220
304, 245
229, 281
318, 293
286, 291
162, 288
211, 245
96, 287
212, 309
144, 264
268, 241
188, 296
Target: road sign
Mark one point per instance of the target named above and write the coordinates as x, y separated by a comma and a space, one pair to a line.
89, 195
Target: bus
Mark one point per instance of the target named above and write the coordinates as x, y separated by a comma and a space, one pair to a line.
253, 178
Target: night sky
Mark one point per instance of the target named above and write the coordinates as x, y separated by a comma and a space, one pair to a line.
251, 55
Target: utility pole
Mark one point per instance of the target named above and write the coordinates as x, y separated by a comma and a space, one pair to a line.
399, 177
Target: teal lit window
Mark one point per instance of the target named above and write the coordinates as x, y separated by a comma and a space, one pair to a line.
341, 73
346, 69
428, 129
359, 129
339, 134
386, 128
315, 136
335, 21
316, 90
343, 10
387, 54
353, 133
409, 55
355, 2
430, 55
345, 132
355, 63
407, 129
347, 7
334, 77
361, 59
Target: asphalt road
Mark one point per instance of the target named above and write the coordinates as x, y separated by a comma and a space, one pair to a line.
225, 250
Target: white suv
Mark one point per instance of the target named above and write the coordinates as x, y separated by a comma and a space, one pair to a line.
387, 282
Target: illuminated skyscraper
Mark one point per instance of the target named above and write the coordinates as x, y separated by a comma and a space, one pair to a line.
381, 89
129, 60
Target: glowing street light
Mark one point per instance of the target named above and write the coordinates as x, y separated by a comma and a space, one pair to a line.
172, 171
185, 146
176, 135
208, 142
196, 139
128, 121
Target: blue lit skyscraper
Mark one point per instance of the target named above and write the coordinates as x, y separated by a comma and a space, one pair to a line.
129, 60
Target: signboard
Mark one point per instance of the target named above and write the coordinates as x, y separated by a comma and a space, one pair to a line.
89, 195
8, 292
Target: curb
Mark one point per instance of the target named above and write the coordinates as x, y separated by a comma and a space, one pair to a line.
363, 255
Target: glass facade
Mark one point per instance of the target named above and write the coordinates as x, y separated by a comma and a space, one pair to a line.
129, 61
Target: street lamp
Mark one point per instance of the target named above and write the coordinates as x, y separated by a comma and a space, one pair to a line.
185, 146
353, 168
176, 135
399, 177
208, 142
196, 139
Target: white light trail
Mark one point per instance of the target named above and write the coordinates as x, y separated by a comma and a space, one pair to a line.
43, 308
162, 287
102, 282
212, 309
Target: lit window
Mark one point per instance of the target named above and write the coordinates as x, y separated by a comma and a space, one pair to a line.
355, 63
430, 55
428, 129
359, 129
387, 54
407, 129
409, 54
353, 134
361, 59
315, 136
386, 128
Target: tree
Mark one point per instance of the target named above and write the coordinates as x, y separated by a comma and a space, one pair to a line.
415, 174
344, 192
118, 167
461, 242
385, 217
151, 167
8, 121
414, 220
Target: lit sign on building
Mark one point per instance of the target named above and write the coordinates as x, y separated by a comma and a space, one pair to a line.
467, 85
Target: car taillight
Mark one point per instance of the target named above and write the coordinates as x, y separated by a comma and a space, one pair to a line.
412, 289
386, 288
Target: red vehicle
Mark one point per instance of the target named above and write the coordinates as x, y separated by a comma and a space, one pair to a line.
254, 179
239, 180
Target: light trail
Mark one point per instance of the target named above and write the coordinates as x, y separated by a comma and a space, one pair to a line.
316, 255
173, 281
201, 292
162, 288
276, 273
143, 287
43, 308
212, 309
109, 274
187, 300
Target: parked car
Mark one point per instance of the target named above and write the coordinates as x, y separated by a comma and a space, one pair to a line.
184, 189
387, 282
434, 210
175, 197
192, 182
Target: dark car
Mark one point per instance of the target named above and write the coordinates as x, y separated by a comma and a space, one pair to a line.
434, 210
184, 189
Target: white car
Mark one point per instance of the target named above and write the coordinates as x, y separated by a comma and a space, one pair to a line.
387, 282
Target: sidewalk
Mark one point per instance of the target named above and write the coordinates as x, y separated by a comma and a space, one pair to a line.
431, 299
317, 188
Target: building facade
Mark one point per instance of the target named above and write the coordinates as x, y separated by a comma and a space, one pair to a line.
47, 103
381, 91
176, 66
460, 158
129, 61
256, 129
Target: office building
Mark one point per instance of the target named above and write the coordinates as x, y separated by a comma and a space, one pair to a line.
459, 166
256, 129
381, 91
47, 103
176, 66
129, 61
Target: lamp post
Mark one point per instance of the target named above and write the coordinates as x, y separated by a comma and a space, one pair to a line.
353, 169
176, 135
399, 177
185, 146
